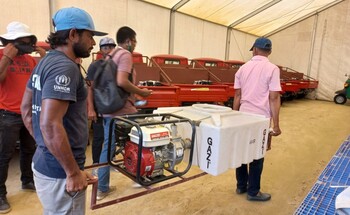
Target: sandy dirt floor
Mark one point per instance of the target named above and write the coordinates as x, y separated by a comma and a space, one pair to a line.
312, 132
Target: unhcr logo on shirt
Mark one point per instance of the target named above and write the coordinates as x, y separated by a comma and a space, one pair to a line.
62, 82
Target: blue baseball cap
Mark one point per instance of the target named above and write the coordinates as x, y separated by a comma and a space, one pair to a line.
72, 17
262, 43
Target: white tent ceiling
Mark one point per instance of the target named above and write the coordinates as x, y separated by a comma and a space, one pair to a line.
256, 17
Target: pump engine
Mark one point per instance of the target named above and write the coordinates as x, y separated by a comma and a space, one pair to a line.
162, 148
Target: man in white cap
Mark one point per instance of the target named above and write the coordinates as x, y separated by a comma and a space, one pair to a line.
107, 44
16, 67
257, 90
54, 110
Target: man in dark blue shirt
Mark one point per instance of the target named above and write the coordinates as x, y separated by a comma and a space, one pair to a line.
54, 111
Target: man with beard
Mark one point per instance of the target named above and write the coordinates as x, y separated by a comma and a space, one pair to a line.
54, 111
16, 66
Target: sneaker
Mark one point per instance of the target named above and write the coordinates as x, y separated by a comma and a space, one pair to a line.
262, 197
101, 195
136, 185
29, 187
4, 205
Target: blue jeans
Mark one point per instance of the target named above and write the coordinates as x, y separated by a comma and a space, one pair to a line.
55, 199
98, 139
12, 129
103, 172
250, 180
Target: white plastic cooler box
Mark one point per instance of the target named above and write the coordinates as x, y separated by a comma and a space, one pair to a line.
224, 138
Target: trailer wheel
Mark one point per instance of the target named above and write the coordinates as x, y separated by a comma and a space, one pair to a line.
340, 99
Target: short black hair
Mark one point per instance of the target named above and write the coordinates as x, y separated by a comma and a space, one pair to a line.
264, 50
125, 33
59, 38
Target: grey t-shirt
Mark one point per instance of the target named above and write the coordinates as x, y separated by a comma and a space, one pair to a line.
58, 77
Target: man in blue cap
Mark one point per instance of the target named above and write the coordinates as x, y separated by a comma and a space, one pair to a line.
54, 111
257, 90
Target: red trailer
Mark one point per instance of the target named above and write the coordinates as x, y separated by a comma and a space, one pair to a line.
208, 62
221, 72
167, 60
176, 81
194, 83
234, 63
296, 81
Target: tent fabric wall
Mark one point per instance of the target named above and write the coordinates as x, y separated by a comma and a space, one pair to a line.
150, 22
318, 46
327, 59
258, 17
331, 61
34, 13
107, 14
114, 15
198, 38
151, 25
240, 44
291, 47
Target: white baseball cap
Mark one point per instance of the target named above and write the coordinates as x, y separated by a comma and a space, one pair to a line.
107, 41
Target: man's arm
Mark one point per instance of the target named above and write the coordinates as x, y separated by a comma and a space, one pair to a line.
123, 81
275, 104
9, 53
90, 102
26, 110
237, 99
56, 140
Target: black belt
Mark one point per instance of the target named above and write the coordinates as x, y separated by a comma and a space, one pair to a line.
6, 112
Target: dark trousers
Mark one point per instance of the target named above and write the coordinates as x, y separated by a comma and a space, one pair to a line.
251, 179
12, 129
98, 139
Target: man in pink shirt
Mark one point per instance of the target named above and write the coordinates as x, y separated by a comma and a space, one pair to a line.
126, 39
257, 86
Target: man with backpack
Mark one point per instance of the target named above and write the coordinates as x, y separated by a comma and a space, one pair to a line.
122, 56
107, 44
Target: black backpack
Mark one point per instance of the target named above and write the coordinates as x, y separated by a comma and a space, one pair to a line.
108, 96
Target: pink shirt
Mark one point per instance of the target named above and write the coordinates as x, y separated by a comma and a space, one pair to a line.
256, 79
123, 59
